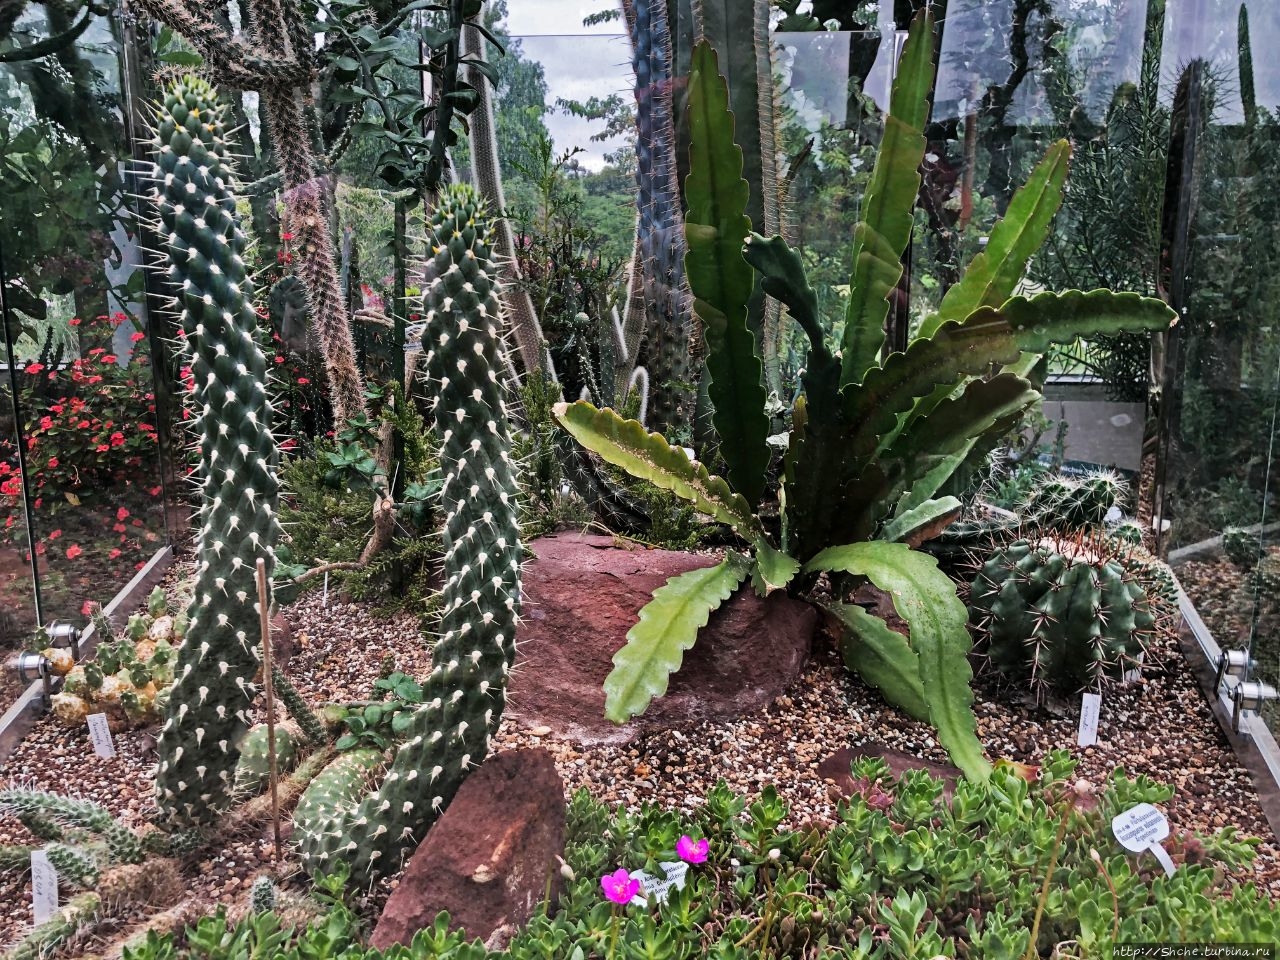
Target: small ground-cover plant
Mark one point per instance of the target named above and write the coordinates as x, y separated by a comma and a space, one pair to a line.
902, 874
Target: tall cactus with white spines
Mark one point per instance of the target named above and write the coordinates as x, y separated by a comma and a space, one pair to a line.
218, 660
465, 693
660, 243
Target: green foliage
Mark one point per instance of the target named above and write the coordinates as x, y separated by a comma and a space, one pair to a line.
1061, 614
929, 877
722, 282
327, 501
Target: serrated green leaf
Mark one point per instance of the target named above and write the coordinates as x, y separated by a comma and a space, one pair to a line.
716, 226
668, 626
995, 273
773, 569
648, 456
1046, 319
882, 234
882, 657
922, 522
926, 599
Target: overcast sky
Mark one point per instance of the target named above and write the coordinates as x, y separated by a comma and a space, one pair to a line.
579, 62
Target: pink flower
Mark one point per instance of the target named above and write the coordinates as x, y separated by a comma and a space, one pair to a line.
619, 886
690, 850
122, 513
73, 551
136, 336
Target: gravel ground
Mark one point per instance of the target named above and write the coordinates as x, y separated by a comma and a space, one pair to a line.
1160, 727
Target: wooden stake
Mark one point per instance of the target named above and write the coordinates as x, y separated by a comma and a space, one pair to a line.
264, 621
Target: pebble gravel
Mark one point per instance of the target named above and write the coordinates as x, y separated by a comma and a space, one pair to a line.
1160, 727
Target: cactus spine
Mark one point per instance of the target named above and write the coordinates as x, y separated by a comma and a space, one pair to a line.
1061, 614
465, 693
660, 229
218, 659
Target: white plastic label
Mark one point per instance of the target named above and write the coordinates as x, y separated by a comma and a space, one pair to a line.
44, 887
100, 734
1142, 828
1090, 710
655, 890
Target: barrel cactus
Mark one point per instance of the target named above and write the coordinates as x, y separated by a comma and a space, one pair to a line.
465, 692
1062, 614
206, 715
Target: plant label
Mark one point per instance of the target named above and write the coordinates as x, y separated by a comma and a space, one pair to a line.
656, 890
100, 734
1090, 710
1142, 828
44, 887
325, 601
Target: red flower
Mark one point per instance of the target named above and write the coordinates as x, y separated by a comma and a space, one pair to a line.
86, 608
46, 423
53, 463
33, 367
55, 535
136, 336
82, 425
122, 513
154, 492
109, 358
303, 381
73, 551
74, 321
118, 528
114, 553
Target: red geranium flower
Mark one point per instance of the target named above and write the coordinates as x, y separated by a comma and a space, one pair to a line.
73, 551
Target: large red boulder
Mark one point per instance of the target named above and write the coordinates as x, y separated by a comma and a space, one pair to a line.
583, 592
489, 858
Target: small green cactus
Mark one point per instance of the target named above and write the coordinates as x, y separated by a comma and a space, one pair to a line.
253, 770
73, 864
1061, 614
1241, 547
262, 896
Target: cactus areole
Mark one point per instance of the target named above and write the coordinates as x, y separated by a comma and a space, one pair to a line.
465, 693
213, 684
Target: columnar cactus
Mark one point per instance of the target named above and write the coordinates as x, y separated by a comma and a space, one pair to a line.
1060, 613
660, 234
465, 693
218, 659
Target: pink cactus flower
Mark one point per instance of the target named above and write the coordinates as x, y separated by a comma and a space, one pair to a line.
619, 887
690, 850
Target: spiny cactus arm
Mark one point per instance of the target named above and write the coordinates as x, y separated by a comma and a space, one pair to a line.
45, 939
716, 226
218, 658
231, 56
648, 456
486, 174
994, 274
881, 235
310, 725
881, 657
926, 599
660, 237
75, 865
465, 693
668, 626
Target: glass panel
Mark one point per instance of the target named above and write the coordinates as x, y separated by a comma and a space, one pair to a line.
86, 401
17, 587
1225, 366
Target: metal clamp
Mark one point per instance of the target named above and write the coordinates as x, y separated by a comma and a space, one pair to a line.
1250, 695
1233, 663
64, 635
35, 666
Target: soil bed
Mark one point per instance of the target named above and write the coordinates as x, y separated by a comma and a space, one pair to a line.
1160, 727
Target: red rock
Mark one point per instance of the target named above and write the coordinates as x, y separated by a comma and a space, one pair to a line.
488, 858
582, 593
837, 768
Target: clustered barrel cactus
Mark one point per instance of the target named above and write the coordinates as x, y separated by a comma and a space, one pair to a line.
1061, 613
218, 659
465, 693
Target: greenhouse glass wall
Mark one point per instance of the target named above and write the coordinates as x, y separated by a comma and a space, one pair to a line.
1051, 147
